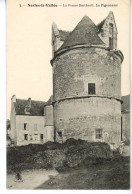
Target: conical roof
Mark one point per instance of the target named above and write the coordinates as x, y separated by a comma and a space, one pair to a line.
84, 33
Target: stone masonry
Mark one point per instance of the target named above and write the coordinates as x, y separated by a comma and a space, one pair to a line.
87, 56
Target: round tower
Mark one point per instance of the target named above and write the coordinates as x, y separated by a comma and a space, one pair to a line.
87, 84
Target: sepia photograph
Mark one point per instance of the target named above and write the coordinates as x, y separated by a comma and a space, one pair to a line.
68, 95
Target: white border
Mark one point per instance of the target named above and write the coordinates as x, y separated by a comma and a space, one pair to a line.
3, 114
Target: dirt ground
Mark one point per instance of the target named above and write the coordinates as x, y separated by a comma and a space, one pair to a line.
76, 164
30, 179
112, 174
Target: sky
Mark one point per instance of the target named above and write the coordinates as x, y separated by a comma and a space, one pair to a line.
29, 51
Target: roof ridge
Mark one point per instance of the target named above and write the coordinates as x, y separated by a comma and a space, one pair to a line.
31, 100
37, 107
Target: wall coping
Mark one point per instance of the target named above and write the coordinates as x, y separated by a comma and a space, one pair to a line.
59, 52
88, 96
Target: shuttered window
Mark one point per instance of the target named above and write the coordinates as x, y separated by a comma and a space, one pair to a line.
25, 136
98, 133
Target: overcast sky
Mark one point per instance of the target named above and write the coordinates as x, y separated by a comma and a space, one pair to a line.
29, 73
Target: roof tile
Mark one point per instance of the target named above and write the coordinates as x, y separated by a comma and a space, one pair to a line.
85, 32
37, 107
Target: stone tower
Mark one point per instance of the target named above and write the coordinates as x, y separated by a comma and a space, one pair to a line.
87, 82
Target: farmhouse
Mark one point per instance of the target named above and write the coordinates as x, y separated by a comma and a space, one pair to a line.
31, 121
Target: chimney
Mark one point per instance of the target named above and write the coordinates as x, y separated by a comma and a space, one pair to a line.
29, 102
13, 99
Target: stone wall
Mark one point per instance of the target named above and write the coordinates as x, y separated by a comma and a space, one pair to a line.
76, 113
73, 70
126, 125
79, 118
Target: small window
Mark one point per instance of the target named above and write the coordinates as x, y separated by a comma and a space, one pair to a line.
35, 136
91, 88
27, 110
98, 133
25, 126
25, 136
110, 43
111, 28
31, 137
41, 136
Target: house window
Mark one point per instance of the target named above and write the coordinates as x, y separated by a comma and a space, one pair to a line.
41, 136
111, 28
35, 127
25, 136
98, 133
27, 110
110, 43
91, 88
31, 137
25, 126
35, 136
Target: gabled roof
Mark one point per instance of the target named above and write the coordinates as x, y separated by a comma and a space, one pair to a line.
84, 33
37, 107
100, 25
126, 102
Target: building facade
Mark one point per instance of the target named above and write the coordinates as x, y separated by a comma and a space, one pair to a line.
125, 117
87, 82
31, 121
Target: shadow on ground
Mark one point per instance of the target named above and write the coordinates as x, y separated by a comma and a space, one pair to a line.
109, 174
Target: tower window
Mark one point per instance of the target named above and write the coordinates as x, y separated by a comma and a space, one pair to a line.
98, 133
91, 88
111, 28
110, 43
25, 136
